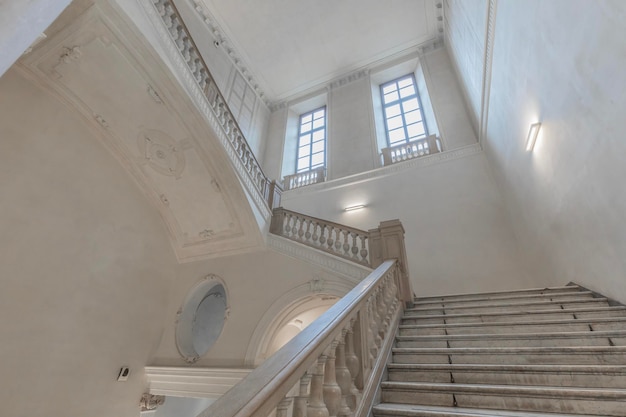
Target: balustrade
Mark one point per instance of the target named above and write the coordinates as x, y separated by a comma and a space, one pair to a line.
405, 151
344, 241
301, 179
320, 372
199, 71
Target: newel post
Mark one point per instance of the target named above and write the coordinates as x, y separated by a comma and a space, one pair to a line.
278, 220
274, 192
387, 242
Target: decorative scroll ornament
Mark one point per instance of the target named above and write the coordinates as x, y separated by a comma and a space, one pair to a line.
161, 152
70, 54
151, 402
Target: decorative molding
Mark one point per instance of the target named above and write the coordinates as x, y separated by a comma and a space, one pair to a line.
201, 101
349, 78
70, 54
161, 152
192, 382
490, 33
377, 173
150, 402
223, 42
347, 269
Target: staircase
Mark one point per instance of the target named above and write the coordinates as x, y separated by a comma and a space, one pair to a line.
522, 353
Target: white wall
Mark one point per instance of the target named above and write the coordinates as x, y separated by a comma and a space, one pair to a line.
561, 62
85, 265
458, 235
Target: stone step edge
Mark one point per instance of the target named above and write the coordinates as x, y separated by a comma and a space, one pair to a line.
414, 410
524, 290
605, 394
589, 294
514, 323
534, 350
509, 305
515, 313
514, 336
610, 370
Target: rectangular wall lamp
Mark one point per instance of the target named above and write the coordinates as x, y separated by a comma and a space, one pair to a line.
532, 136
354, 208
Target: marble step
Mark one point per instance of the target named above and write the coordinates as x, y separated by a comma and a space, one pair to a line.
538, 326
561, 295
412, 410
585, 338
607, 376
593, 401
501, 306
530, 291
579, 355
511, 299
516, 316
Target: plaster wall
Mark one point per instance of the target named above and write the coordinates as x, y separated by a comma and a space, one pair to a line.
85, 264
458, 236
566, 198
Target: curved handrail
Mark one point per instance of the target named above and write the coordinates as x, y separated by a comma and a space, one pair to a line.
362, 308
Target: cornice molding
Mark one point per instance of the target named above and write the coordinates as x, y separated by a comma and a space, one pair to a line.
218, 33
348, 270
490, 33
401, 167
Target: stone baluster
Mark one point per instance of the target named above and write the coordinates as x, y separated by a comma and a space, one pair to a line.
352, 362
289, 216
301, 228
380, 307
317, 406
307, 234
343, 377
338, 232
282, 409
322, 234
375, 323
330, 240
300, 402
372, 331
315, 236
363, 248
346, 245
332, 391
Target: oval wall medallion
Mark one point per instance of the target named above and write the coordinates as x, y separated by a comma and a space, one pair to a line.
201, 319
161, 152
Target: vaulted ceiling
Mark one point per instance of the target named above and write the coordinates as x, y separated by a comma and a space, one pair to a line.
290, 47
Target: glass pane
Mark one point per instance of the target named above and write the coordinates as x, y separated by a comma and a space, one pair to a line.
388, 98
416, 130
318, 123
389, 88
407, 91
318, 135
318, 114
305, 119
304, 151
394, 122
409, 105
413, 117
305, 139
318, 146
303, 163
405, 81
317, 159
392, 110
305, 127
396, 136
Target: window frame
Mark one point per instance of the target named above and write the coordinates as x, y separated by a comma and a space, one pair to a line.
400, 102
311, 142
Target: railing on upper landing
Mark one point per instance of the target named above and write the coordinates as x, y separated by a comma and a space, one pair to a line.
301, 179
411, 150
238, 149
333, 366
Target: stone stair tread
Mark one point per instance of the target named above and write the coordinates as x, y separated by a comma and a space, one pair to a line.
551, 295
528, 350
572, 288
510, 305
513, 323
495, 336
410, 410
590, 369
516, 312
511, 390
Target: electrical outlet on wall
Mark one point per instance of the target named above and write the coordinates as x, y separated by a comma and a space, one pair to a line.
124, 373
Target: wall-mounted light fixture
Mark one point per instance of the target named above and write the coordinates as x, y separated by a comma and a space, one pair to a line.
355, 207
532, 136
